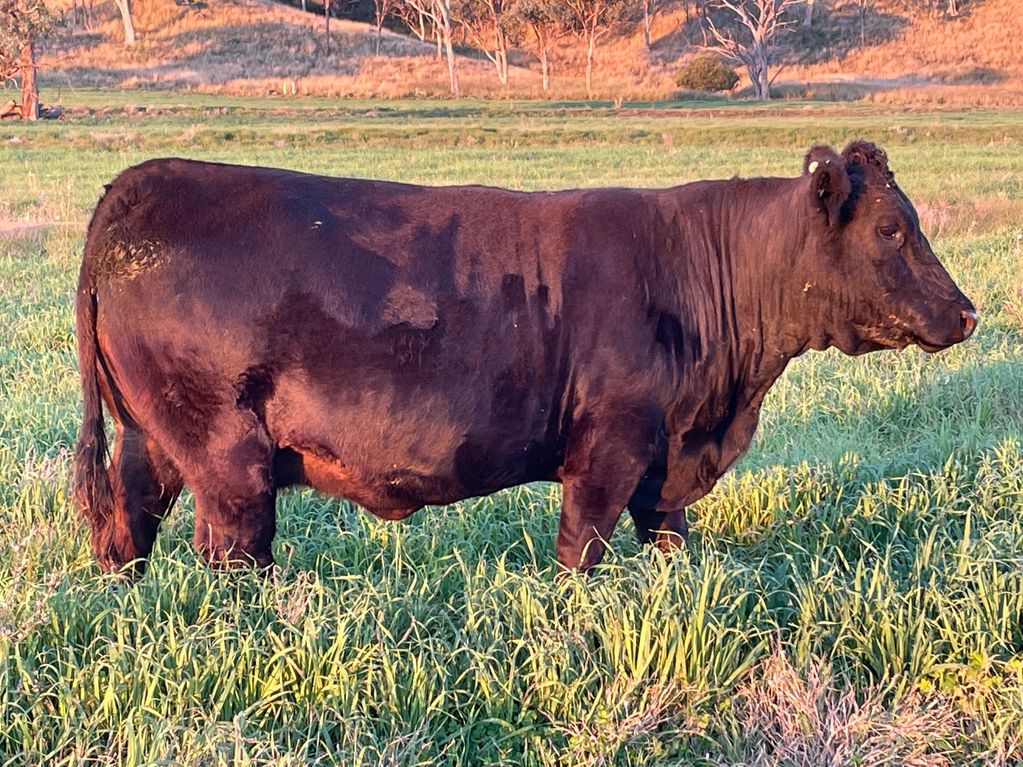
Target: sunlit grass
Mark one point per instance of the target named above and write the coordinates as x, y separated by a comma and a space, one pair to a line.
859, 573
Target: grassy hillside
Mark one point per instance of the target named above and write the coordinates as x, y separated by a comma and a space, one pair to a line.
258, 47
852, 593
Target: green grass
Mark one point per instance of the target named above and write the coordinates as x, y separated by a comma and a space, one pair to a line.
870, 544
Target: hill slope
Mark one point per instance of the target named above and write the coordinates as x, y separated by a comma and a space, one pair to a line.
260, 47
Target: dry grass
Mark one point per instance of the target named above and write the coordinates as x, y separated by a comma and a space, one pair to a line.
629, 716
258, 47
983, 44
967, 218
801, 719
976, 59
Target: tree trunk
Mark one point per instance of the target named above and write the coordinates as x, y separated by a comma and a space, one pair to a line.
381, 14
545, 68
444, 30
500, 53
953, 7
751, 73
808, 16
29, 89
124, 6
590, 44
646, 24
326, 23
452, 72
499, 58
763, 83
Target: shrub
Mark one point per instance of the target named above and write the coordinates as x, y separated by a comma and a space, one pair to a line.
707, 73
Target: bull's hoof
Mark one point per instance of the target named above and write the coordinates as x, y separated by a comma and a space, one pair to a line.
118, 556
669, 542
233, 559
131, 570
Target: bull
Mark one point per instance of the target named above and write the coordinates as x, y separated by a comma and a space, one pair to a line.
250, 329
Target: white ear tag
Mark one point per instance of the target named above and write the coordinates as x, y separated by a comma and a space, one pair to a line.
812, 166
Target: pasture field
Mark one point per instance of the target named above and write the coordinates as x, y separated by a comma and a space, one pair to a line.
852, 592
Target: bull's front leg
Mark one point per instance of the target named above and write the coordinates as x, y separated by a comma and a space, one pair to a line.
667, 530
603, 464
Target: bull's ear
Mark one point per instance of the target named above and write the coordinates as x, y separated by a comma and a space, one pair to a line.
829, 182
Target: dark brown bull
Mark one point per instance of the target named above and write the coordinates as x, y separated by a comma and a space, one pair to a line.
250, 329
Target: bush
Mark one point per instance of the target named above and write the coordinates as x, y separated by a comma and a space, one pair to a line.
707, 74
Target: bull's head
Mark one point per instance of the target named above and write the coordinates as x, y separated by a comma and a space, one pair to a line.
882, 287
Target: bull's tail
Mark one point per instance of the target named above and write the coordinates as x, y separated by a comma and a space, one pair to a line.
92, 490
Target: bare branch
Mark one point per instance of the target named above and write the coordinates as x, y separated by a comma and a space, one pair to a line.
759, 21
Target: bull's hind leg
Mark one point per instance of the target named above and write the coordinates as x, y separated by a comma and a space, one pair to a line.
235, 500
144, 484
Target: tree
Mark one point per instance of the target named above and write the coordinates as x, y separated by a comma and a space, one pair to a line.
592, 20
381, 10
650, 9
81, 15
545, 22
326, 24
862, 6
756, 22
488, 23
808, 16
439, 13
124, 6
413, 18
23, 22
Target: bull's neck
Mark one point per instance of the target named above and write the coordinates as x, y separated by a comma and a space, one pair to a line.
746, 238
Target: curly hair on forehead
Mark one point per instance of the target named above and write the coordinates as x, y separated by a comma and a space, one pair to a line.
870, 157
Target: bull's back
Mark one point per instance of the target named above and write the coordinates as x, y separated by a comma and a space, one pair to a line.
357, 244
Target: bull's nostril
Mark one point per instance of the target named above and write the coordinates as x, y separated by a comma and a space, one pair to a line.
968, 322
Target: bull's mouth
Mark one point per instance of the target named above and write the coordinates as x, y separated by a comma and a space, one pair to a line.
898, 338
897, 333
967, 324
931, 348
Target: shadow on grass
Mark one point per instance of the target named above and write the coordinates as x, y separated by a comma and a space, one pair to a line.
836, 34
808, 475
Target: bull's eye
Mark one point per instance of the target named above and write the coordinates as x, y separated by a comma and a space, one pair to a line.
888, 231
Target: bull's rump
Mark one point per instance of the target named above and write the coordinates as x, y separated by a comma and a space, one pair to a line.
402, 335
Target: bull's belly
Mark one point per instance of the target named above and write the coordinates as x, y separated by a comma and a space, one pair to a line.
391, 494
395, 472
394, 444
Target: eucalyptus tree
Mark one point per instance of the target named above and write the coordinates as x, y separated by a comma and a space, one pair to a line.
488, 24
750, 36
440, 15
543, 22
593, 20
23, 23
